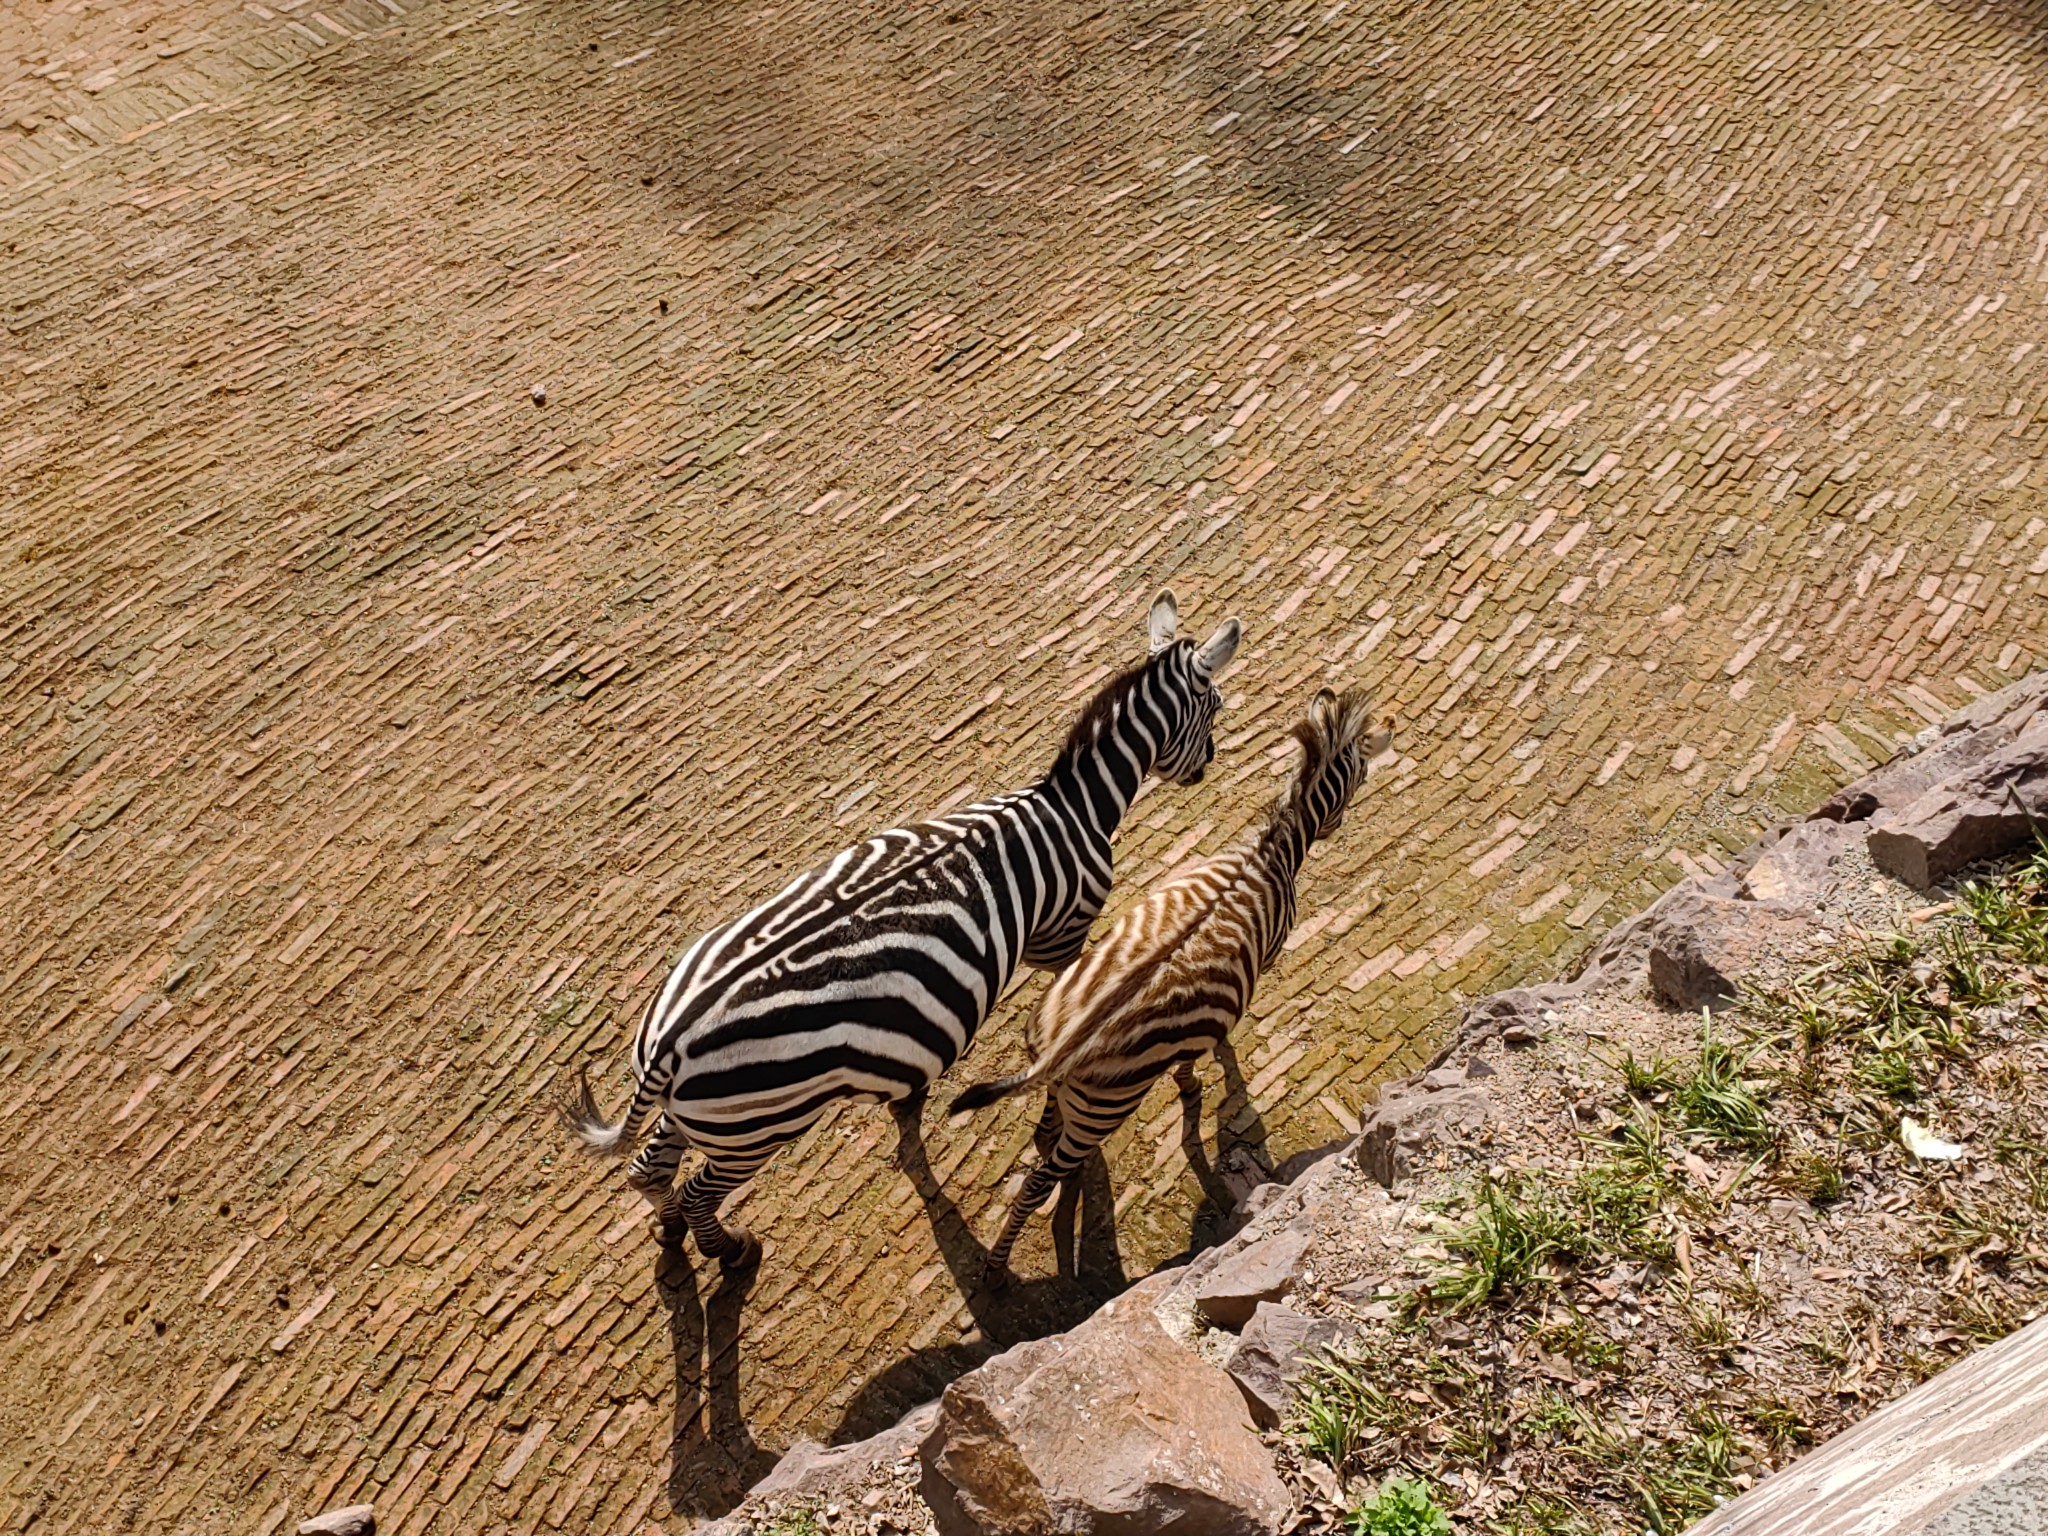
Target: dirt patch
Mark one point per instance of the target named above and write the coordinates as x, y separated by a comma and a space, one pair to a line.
1690, 1250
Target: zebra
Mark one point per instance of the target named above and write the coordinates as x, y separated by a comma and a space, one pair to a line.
1175, 972
866, 977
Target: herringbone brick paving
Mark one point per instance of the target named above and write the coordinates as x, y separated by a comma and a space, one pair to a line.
1647, 398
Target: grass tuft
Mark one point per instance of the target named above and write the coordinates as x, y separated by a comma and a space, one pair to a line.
794, 1520
1718, 1103
1402, 1507
1336, 1408
1517, 1229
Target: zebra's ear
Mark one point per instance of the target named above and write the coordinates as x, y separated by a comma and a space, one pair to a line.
1320, 706
1217, 650
1163, 621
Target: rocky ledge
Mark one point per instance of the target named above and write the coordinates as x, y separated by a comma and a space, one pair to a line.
1708, 1297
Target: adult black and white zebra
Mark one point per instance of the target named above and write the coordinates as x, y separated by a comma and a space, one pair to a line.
1177, 969
868, 976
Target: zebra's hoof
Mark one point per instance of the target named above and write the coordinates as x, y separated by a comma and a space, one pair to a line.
743, 1255
665, 1236
995, 1277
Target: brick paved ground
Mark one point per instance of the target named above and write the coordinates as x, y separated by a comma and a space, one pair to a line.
1644, 397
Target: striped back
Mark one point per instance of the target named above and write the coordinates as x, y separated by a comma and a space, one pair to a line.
1178, 969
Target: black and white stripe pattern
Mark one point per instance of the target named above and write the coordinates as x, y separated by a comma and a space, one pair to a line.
868, 976
1177, 969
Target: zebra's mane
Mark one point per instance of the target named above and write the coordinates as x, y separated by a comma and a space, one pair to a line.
1099, 711
1323, 735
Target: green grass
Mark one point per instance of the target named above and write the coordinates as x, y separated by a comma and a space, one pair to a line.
1874, 1027
1517, 1230
1647, 1079
1718, 1103
1336, 1408
794, 1520
1555, 1414
1575, 1337
1800, 1088
1815, 1177
1708, 1327
1682, 1481
1402, 1507
1783, 1425
1618, 1205
1436, 1406
2011, 911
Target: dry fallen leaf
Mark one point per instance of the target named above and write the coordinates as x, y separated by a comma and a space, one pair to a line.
1924, 1144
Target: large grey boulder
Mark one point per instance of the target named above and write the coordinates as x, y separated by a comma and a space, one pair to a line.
1108, 1430
1411, 1120
1620, 959
1990, 808
1261, 1271
1276, 1347
1965, 738
1796, 866
1964, 1454
1703, 946
809, 1470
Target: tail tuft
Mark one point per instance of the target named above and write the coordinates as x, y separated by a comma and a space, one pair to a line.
980, 1095
580, 1114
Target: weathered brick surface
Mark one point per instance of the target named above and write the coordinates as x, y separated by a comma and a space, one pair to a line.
1648, 399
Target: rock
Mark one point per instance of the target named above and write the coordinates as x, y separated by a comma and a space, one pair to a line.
1990, 808
1398, 1131
1276, 1346
1248, 1209
1262, 1271
1111, 1428
1796, 867
356, 1520
808, 1469
1516, 1015
1702, 945
1940, 752
2012, 708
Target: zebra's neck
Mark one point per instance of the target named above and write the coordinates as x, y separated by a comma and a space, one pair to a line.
1282, 848
1094, 784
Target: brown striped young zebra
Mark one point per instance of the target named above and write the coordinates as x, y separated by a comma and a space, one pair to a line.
1177, 970
866, 977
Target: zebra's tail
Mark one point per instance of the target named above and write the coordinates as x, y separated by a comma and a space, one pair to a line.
980, 1095
607, 1138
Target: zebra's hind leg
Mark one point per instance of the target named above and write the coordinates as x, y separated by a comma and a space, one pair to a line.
1038, 1186
654, 1171
1046, 1136
697, 1203
908, 1113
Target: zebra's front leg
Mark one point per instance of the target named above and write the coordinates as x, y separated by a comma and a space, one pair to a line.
1038, 1186
697, 1204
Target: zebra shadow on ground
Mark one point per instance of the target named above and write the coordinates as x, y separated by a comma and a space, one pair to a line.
713, 1459
1243, 1158
1089, 1267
